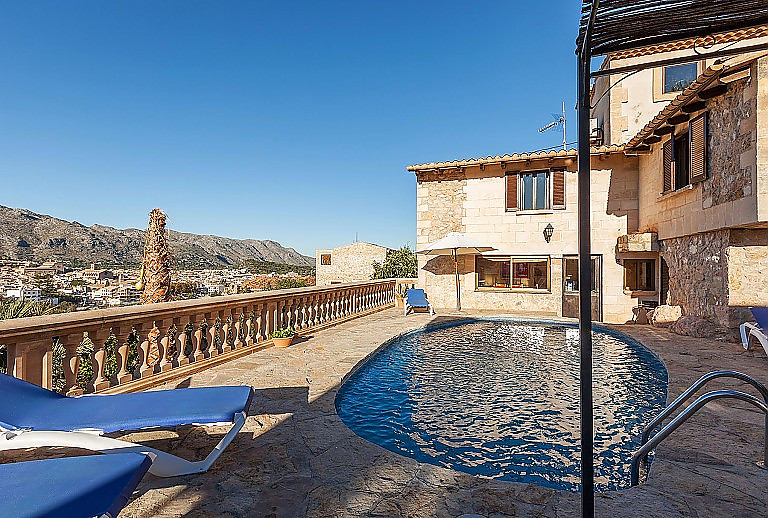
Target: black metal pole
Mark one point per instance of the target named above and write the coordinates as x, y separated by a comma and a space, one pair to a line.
585, 292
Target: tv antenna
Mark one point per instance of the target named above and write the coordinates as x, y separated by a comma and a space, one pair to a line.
559, 121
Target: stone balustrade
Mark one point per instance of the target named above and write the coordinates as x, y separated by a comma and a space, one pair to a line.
138, 346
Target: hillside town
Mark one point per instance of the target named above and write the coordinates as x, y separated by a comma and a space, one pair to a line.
96, 287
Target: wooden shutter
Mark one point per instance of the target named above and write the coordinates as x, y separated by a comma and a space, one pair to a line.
558, 189
668, 164
512, 191
697, 133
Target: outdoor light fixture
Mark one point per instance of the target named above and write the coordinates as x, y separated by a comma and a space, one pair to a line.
548, 231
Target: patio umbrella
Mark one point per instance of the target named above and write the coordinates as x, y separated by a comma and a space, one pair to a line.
455, 244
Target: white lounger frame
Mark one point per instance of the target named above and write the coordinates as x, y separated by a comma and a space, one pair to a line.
408, 307
749, 330
163, 464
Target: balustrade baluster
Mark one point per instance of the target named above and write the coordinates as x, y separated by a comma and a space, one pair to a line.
297, 320
167, 341
213, 349
71, 363
258, 322
121, 355
181, 339
150, 348
227, 327
237, 317
303, 316
249, 331
198, 345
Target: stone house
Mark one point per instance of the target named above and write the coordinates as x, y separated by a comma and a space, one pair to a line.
679, 198
348, 263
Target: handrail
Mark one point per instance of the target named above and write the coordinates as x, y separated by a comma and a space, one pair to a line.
685, 396
687, 413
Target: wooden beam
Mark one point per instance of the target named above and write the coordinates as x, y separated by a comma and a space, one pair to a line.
664, 130
715, 91
736, 76
693, 107
652, 140
679, 119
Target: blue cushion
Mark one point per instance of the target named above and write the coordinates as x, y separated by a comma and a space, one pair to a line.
416, 298
761, 316
28, 406
74, 486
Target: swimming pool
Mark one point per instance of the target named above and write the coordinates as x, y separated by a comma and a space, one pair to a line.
499, 399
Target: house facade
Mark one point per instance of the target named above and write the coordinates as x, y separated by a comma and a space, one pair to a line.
679, 198
348, 263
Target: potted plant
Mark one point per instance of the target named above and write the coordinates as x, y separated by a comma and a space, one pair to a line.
400, 290
283, 337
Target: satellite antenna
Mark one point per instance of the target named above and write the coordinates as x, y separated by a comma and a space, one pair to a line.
559, 121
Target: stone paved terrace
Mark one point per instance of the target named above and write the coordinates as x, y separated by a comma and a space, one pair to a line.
295, 457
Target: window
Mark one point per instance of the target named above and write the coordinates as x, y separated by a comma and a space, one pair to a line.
640, 274
678, 77
534, 189
325, 259
685, 156
512, 273
530, 190
572, 274
492, 272
530, 274
682, 161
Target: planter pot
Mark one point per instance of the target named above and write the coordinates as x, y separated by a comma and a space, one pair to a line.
283, 342
399, 301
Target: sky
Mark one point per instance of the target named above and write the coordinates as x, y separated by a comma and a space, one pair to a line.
284, 120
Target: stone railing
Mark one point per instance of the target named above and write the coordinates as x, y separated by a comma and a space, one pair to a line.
136, 347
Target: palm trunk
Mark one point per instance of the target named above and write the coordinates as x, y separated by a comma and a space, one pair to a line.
156, 268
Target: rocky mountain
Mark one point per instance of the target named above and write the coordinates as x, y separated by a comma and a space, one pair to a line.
25, 235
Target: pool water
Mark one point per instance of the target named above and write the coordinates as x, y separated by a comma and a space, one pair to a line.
500, 399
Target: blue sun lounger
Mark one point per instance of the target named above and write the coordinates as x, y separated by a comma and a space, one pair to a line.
416, 299
94, 485
758, 331
31, 416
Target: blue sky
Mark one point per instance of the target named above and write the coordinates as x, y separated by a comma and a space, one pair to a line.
288, 120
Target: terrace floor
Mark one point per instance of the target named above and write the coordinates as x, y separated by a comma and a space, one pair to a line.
295, 457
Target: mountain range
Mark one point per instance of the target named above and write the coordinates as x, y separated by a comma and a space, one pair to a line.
26, 235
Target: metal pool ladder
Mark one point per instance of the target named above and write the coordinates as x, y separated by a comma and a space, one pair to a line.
650, 442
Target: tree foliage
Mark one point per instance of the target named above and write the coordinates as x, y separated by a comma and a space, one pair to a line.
398, 263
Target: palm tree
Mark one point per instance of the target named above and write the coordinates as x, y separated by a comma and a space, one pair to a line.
155, 276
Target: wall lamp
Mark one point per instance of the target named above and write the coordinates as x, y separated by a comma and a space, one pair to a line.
548, 231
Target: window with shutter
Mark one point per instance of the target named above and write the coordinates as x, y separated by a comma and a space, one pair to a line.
512, 191
558, 189
668, 161
698, 139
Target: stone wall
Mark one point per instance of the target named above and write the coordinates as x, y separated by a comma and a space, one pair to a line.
718, 275
353, 262
732, 139
697, 273
440, 199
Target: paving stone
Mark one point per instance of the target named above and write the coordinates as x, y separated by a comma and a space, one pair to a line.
295, 457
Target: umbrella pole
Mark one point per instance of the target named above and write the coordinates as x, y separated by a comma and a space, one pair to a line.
458, 286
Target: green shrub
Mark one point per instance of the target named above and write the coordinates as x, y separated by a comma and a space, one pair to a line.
286, 332
398, 264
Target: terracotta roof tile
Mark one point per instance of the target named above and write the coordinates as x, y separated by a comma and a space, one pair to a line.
727, 37
515, 157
